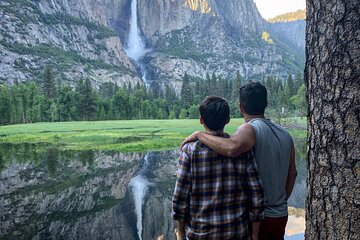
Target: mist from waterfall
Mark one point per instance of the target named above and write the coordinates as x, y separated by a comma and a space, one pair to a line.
135, 46
139, 186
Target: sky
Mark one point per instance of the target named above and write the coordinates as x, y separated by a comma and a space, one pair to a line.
272, 8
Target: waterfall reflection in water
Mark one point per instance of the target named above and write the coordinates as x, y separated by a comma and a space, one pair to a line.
139, 186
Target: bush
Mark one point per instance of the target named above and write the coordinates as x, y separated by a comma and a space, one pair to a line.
183, 114
194, 112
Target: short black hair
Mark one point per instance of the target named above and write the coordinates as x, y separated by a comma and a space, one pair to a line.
215, 112
253, 97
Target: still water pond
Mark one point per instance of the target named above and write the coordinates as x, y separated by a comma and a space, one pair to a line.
49, 193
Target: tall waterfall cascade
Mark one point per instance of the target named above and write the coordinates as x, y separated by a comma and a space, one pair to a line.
135, 45
139, 186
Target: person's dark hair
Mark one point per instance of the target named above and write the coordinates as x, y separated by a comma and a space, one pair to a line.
253, 97
215, 112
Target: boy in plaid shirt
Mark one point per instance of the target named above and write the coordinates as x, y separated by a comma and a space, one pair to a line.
216, 197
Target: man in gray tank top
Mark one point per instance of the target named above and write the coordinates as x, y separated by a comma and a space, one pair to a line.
274, 153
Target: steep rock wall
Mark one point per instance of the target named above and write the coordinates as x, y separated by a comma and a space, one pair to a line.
200, 36
82, 39
72, 36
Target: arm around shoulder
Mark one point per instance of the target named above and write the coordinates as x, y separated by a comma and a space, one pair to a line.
241, 141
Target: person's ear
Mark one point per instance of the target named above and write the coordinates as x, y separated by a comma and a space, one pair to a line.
242, 109
228, 120
201, 120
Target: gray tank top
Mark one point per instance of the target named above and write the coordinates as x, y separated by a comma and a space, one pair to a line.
272, 153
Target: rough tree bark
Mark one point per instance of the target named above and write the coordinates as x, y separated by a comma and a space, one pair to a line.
332, 77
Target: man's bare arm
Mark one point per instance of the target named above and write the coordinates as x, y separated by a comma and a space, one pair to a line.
291, 174
241, 141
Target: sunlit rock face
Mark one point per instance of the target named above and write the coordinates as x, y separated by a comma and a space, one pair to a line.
159, 17
200, 36
87, 39
201, 5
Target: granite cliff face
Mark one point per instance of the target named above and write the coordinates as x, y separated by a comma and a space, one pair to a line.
292, 33
87, 39
72, 36
200, 36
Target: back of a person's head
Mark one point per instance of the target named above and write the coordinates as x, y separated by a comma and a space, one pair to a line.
215, 112
253, 97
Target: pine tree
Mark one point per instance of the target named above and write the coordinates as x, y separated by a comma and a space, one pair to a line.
24, 98
102, 114
87, 101
90, 101
227, 90
65, 103
54, 116
186, 92
49, 85
299, 80
207, 85
79, 90
36, 108
16, 104
5, 111
285, 95
34, 93
236, 86
291, 85
45, 108
170, 94
120, 103
299, 101
220, 88
213, 85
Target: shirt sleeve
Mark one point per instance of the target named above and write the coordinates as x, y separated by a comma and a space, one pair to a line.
256, 190
181, 197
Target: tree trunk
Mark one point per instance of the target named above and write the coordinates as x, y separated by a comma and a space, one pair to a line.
332, 76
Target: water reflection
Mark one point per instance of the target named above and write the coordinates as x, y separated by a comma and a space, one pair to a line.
298, 196
139, 186
65, 194
295, 227
49, 193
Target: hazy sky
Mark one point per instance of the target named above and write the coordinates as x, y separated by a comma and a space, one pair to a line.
272, 8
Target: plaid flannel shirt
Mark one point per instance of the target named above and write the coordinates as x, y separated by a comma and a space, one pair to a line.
217, 195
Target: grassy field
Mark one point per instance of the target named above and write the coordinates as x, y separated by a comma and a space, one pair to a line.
125, 136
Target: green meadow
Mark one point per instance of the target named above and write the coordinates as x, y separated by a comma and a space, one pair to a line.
124, 136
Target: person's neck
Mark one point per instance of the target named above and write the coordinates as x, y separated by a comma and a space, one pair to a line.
251, 117
212, 132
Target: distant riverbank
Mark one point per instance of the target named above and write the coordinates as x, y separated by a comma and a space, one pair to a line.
124, 136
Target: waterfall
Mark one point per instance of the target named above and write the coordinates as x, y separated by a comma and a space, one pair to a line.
135, 46
139, 186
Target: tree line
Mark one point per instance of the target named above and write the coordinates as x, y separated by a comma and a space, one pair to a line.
49, 101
